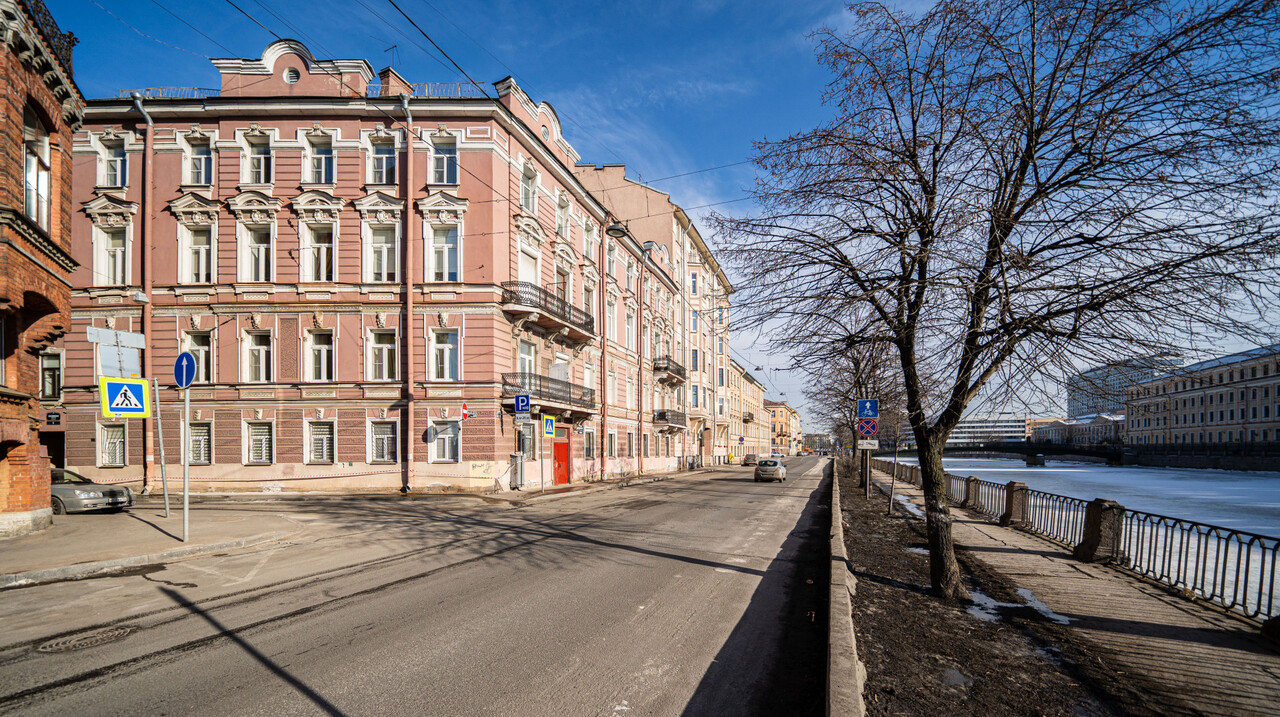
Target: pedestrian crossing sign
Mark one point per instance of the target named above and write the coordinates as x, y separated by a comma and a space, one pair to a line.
124, 397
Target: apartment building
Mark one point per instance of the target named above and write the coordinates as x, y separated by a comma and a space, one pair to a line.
1230, 399
368, 272
989, 428
1103, 429
748, 431
786, 432
42, 108
1102, 389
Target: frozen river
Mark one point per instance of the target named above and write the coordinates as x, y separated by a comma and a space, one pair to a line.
1242, 500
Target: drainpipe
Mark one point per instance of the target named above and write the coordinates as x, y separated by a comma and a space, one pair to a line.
410, 327
148, 426
640, 362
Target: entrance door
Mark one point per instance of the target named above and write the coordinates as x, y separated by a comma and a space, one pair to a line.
561, 457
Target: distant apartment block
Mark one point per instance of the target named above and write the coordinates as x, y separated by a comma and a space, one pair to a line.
1102, 389
989, 428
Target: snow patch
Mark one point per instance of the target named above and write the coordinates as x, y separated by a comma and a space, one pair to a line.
1034, 603
918, 551
987, 609
912, 508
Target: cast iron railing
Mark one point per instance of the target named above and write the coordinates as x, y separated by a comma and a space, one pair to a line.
955, 488
666, 415
59, 42
440, 90
1233, 568
991, 498
1054, 516
545, 388
530, 294
668, 364
171, 93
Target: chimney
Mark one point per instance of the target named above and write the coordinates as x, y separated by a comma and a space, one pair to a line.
393, 84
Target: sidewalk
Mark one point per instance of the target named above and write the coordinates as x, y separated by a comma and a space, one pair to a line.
1187, 657
80, 545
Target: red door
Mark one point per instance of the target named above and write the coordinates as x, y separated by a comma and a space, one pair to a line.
561, 462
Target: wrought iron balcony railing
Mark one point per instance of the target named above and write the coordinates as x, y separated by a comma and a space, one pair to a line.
545, 388
530, 294
748, 416
669, 365
171, 93
670, 417
60, 43
434, 90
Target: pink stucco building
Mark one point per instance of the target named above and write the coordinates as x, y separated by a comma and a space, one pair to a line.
352, 259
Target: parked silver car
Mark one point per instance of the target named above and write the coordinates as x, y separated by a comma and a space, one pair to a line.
770, 469
73, 493
749, 459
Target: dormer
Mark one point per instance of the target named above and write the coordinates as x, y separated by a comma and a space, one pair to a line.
287, 68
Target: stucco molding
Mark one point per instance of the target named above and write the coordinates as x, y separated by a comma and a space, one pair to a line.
108, 210
194, 209
254, 207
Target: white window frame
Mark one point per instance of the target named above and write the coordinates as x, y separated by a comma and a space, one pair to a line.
451, 251
629, 324
611, 320
114, 165
321, 168
527, 362
250, 349
562, 219
390, 356
204, 358
433, 449
384, 163
256, 168
248, 442
444, 163
245, 251
61, 357
452, 362
589, 239
187, 259
589, 447
102, 455
372, 441
529, 191
310, 249
101, 255
194, 460
37, 168
200, 167
309, 367
309, 457
367, 234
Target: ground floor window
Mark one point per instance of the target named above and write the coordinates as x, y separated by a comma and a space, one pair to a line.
444, 447
260, 443
645, 441
321, 442
383, 438
526, 441
113, 445
201, 444
589, 444
611, 448
631, 445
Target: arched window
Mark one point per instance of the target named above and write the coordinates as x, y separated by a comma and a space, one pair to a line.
35, 141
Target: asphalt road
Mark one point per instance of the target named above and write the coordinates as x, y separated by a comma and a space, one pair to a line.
699, 595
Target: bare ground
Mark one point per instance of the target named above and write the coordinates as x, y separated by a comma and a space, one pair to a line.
928, 657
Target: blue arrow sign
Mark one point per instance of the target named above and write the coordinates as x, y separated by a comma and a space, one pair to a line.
868, 408
184, 369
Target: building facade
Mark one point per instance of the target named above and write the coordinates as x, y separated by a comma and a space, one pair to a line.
1104, 429
1230, 399
786, 432
1102, 389
42, 108
368, 272
989, 428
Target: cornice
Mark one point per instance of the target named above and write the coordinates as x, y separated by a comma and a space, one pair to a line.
37, 237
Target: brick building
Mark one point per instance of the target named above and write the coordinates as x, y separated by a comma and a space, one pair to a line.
42, 107
352, 260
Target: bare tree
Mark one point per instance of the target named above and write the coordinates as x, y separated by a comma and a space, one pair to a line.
1011, 187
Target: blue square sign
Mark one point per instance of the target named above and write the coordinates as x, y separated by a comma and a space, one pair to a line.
522, 403
868, 408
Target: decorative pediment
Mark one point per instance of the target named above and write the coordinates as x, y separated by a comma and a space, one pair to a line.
380, 132
197, 133
442, 132
565, 254
254, 207
255, 130
317, 206
192, 208
630, 302
442, 208
318, 131
115, 134
110, 211
379, 208
529, 230
590, 276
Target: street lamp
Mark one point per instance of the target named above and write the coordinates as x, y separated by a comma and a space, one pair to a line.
616, 230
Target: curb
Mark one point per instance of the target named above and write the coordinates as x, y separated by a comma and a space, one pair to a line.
846, 674
103, 567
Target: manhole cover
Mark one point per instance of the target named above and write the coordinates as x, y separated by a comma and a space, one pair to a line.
88, 639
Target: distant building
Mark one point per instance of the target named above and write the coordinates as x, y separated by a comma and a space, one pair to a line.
989, 428
1096, 430
784, 424
1102, 389
818, 441
1034, 423
1230, 399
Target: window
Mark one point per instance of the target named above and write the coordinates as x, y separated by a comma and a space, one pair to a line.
612, 447
444, 164
321, 443
444, 355
610, 260
200, 255
321, 162
113, 446
258, 246
200, 169
321, 343
259, 356
631, 445
35, 142
382, 253
694, 354
201, 449
721, 382
589, 300
613, 387
527, 441
527, 362
51, 375
720, 315
562, 221
528, 193
116, 265
720, 403
631, 330
317, 260
199, 344
719, 344
693, 320
631, 275
589, 241
611, 320
695, 396
382, 438
445, 446
115, 166
259, 165
644, 448
693, 283
589, 444
444, 254
382, 356
631, 391
383, 164
259, 444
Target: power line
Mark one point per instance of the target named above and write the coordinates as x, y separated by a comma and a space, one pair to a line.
440, 49
149, 37
255, 20
193, 27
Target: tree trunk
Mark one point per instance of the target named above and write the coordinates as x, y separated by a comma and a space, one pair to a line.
944, 572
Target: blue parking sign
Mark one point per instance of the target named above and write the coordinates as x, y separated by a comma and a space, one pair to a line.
522, 403
868, 408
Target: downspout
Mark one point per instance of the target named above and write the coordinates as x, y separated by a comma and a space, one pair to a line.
410, 325
149, 444
640, 363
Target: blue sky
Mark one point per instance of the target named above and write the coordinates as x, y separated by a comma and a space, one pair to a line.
666, 87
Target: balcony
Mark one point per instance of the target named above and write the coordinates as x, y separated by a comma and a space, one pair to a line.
669, 421
665, 368
748, 416
549, 395
539, 306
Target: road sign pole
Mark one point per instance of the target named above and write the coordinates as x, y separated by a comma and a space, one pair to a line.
186, 460
164, 478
